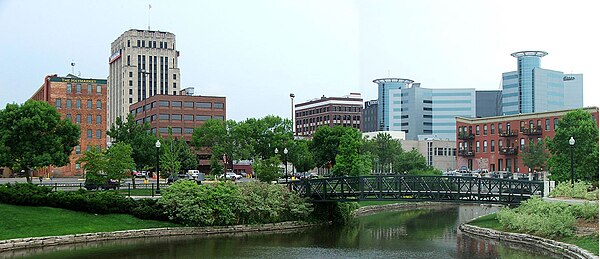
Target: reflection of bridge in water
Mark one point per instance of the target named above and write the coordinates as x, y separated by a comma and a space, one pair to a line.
418, 188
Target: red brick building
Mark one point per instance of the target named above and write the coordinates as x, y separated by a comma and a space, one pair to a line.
83, 101
330, 111
182, 113
494, 143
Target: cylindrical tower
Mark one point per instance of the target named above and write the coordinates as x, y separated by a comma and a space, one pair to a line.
384, 86
526, 62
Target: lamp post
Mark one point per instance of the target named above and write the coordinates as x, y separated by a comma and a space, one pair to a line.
285, 151
572, 144
157, 144
292, 118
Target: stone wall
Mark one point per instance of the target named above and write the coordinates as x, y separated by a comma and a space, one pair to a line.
555, 247
33, 242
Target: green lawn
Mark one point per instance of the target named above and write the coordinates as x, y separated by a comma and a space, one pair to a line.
374, 203
589, 243
25, 221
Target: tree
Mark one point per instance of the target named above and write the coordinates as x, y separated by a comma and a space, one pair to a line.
114, 164
169, 159
139, 137
216, 135
300, 156
579, 125
94, 164
411, 162
349, 161
33, 135
325, 144
383, 150
535, 156
187, 157
267, 170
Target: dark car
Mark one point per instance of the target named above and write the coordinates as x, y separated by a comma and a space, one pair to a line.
110, 184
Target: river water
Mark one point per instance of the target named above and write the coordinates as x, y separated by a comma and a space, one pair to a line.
423, 233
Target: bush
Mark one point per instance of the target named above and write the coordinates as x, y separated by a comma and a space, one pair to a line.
581, 190
338, 213
266, 203
546, 219
24, 194
149, 209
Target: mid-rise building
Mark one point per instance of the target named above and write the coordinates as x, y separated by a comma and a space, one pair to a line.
488, 103
406, 106
534, 89
369, 117
182, 113
83, 101
142, 64
328, 111
494, 143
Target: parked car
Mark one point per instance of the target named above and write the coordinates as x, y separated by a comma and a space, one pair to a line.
193, 173
110, 184
142, 174
231, 176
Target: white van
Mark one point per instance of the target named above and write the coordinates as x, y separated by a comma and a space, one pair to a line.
193, 173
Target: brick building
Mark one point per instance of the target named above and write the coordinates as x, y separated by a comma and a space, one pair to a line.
494, 143
182, 113
331, 111
83, 101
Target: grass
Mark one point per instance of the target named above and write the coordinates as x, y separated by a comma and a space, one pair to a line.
589, 243
375, 203
25, 221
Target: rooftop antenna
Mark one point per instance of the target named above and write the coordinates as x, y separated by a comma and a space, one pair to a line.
149, 7
72, 67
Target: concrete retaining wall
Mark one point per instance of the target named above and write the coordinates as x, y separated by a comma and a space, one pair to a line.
33, 242
555, 247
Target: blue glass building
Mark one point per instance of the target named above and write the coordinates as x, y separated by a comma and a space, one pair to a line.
534, 89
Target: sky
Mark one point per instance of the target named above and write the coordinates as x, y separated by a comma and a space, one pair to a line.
257, 52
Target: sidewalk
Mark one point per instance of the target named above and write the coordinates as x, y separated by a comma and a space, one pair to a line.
568, 200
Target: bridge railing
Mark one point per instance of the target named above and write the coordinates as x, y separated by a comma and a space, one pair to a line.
418, 188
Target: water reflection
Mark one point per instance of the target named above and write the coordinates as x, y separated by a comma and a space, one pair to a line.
425, 233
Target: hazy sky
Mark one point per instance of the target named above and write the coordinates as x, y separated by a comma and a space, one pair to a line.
258, 52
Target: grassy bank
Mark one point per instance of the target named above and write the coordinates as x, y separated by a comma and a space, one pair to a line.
589, 243
26, 221
376, 203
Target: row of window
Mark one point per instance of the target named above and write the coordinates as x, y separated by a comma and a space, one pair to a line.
77, 104
90, 89
469, 145
151, 44
89, 118
89, 148
327, 109
176, 130
179, 117
326, 119
442, 151
492, 129
307, 130
179, 104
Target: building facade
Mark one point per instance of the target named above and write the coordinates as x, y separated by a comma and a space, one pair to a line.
142, 64
182, 113
534, 89
83, 101
344, 111
405, 106
369, 117
488, 103
494, 143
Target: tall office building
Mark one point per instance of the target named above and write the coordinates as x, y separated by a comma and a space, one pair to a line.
343, 111
422, 112
534, 89
369, 117
143, 64
488, 103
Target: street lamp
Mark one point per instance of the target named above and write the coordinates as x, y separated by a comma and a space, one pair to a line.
572, 144
292, 98
285, 151
108, 144
157, 145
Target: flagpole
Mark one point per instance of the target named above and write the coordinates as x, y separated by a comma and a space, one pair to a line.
149, 7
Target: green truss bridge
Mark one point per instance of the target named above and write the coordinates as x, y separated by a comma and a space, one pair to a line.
418, 188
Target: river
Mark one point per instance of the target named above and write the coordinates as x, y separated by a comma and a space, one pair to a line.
424, 233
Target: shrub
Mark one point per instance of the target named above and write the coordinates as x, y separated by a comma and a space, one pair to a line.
149, 209
24, 194
267, 203
581, 190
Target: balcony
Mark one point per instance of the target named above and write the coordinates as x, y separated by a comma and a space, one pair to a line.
532, 131
508, 151
465, 136
464, 152
507, 133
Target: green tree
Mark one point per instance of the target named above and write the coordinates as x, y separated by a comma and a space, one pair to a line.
187, 157
383, 150
267, 170
139, 137
169, 159
216, 135
119, 161
33, 135
411, 162
349, 161
325, 145
94, 165
301, 157
534, 156
579, 125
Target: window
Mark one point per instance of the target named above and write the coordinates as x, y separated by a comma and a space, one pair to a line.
128, 43
57, 103
547, 124
219, 105
68, 103
68, 116
128, 60
78, 118
188, 117
89, 119
98, 89
555, 123
163, 103
153, 118
68, 88
175, 103
78, 88
522, 144
188, 130
499, 144
492, 129
89, 134
174, 85
174, 76
89, 103
477, 146
499, 127
130, 74
202, 117
485, 129
218, 117
89, 89
99, 105
177, 130
77, 166
203, 105
492, 147
163, 116
98, 134
98, 119
176, 117
138, 43
130, 84
78, 104
521, 126
485, 146
163, 130
477, 130
188, 104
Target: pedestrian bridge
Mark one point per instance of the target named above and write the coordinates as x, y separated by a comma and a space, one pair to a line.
418, 188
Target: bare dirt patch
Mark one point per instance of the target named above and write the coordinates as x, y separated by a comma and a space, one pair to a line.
585, 228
